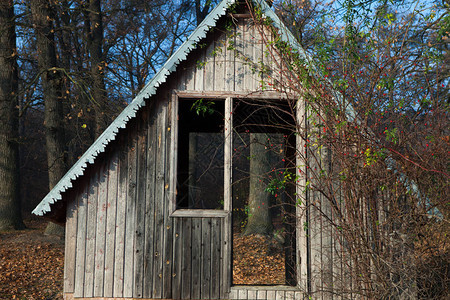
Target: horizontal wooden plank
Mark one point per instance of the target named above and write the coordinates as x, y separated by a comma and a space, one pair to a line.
265, 288
199, 213
265, 292
224, 95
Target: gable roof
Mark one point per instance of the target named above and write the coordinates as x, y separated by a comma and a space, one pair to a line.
149, 90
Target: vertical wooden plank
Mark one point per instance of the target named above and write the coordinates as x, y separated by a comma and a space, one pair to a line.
168, 199
226, 227
200, 71
261, 295
280, 295
271, 295
242, 294
101, 230
181, 77
173, 156
316, 245
196, 264
239, 71
248, 58
209, 67
302, 202
251, 294
216, 245
122, 190
159, 246
230, 59
327, 233
206, 258
276, 62
298, 295
111, 225
220, 50
90, 235
186, 276
177, 257
71, 243
140, 206
189, 72
315, 224
228, 154
258, 48
128, 278
233, 295
223, 288
289, 295
149, 255
81, 241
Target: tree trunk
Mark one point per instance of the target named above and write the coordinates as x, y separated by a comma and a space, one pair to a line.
52, 79
201, 12
259, 219
10, 208
98, 65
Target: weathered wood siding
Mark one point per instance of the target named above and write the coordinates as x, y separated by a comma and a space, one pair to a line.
122, 241
229, 61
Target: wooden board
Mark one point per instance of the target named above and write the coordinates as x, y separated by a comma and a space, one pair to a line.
230, 60
216, 258
140, 226
128, 278
167, 199
206, 258
210, 70
91, 224
150, 208
177, 258
100, 235
71, 243
302, 232
239, 66
159, 246
186, 275
111, 225
196, 265
220, 57
122, 190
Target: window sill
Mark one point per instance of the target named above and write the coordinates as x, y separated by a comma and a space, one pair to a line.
199, 213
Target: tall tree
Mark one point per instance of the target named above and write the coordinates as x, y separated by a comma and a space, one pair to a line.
51, 78
259, 219
10, 214
98, 64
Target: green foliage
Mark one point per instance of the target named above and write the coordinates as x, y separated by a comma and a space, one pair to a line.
203, 107
277, 185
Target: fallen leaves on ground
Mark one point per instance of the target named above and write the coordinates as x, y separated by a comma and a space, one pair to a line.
31, 264
257, 260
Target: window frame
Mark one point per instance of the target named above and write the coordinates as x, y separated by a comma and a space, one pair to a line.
301, 170
199, 213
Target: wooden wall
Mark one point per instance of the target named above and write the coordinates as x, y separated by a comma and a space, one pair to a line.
120, 239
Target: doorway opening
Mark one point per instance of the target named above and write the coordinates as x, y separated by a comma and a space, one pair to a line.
263, 192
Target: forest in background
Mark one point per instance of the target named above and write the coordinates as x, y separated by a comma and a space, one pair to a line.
69, 67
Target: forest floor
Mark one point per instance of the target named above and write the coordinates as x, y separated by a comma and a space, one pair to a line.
31, 263
257, 260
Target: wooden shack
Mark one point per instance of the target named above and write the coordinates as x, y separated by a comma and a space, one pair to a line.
127, 235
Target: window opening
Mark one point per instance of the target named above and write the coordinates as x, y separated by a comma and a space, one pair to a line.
263, 188
200, 170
